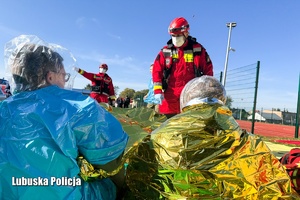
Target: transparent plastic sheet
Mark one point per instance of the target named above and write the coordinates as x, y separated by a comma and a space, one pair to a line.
69, 63
204, 87
203, 154
15, 47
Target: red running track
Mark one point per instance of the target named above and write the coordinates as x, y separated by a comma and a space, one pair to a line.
269, 130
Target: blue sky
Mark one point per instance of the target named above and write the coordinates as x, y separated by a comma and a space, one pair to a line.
127, 35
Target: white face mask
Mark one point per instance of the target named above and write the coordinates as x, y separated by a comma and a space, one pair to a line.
178, 41
102, 70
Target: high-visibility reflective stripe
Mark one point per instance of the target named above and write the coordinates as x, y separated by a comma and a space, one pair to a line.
189, 51
189, 57
81, 71
100, 93
112, 97
175, 55
197, 49
188, 54
100, 78
157, 87
295, 178
167, 50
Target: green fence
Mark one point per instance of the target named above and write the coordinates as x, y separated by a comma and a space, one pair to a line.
241, 87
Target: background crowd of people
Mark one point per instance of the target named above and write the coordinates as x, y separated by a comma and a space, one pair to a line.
122, 102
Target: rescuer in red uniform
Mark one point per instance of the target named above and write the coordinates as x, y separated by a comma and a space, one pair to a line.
176, 64
102, 85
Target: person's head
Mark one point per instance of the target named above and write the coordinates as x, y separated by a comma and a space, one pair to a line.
38, 66
34, 64
179, 31
151, 68
103, 68
199, 89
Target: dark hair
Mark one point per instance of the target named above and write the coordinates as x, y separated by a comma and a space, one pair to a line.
31, 65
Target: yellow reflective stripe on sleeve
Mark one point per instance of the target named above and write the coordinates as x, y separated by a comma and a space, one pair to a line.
81, 71
294, 178
157, 87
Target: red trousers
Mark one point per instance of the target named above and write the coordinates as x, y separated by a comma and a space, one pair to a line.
99, 97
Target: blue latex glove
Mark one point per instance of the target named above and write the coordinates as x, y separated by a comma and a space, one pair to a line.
158, 98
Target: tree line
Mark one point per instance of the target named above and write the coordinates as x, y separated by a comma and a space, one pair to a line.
131, 93
138, 95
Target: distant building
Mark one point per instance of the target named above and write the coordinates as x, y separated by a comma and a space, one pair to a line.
269, 116
240, 114
257, 117
272, 117
289, 118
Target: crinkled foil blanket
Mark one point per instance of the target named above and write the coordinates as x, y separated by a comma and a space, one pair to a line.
199, 154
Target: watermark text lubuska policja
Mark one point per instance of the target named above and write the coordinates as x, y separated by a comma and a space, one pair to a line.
40, 181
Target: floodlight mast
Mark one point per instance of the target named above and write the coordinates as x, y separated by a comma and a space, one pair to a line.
230, 25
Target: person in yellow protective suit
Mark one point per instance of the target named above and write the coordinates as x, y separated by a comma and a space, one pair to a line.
202, 153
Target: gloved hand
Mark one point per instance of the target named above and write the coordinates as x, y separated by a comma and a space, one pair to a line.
76, 69
158, 98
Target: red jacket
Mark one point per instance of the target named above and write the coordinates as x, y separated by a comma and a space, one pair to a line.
185, 63
102, 86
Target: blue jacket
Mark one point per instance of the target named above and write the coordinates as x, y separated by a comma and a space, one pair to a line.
41, 133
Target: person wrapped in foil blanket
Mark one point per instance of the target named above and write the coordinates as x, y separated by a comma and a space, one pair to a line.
202, 153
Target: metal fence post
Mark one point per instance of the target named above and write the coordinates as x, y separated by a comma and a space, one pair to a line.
221, 75
255, 97
298, 112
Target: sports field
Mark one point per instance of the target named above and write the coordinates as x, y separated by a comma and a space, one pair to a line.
281, 133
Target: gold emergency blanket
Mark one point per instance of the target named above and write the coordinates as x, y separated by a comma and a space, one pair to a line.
137, 123
203, 154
